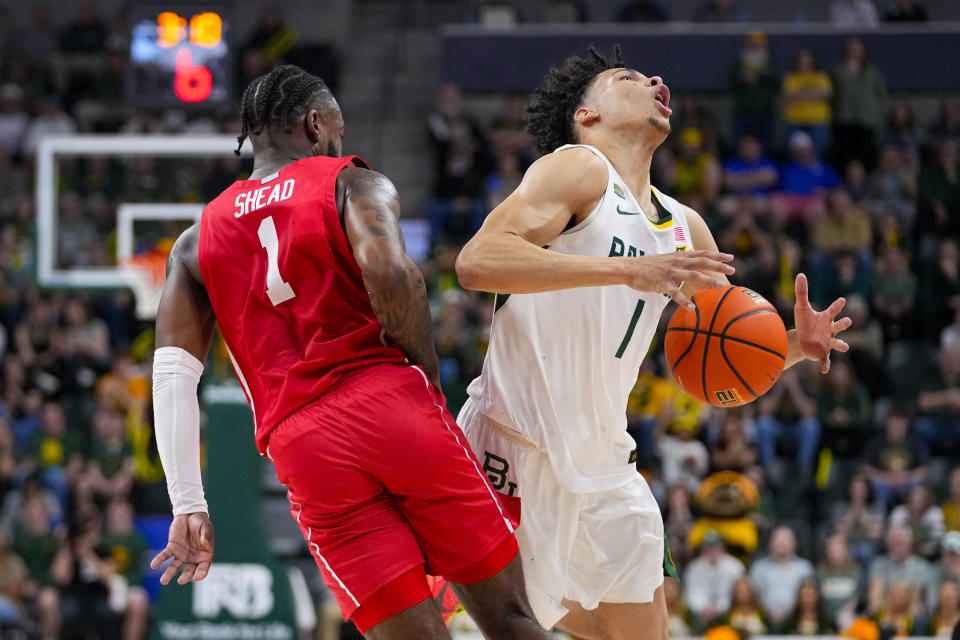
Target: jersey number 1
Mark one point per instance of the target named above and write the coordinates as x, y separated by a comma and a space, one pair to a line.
631, 327
277, 290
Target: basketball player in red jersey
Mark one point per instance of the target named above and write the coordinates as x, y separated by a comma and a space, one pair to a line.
327, 322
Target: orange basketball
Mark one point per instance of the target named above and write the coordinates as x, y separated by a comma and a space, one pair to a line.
730, 349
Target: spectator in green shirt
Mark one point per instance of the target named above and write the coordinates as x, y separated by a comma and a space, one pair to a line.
939, 403
38, 545
895, 292
896, 461
754, 84
938, 214
127, 547
36, 541
13, 584
111, 465
54, 450
843, 408
129, 552
859, 105
841, 581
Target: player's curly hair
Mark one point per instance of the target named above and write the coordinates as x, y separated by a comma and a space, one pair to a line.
560, 94
277, 99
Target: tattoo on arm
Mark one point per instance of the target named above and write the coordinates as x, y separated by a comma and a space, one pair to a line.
401, 305
397, 291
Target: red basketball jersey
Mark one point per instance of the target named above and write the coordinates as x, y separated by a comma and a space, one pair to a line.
286, 290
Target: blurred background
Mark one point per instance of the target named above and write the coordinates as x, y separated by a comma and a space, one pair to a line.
813, 135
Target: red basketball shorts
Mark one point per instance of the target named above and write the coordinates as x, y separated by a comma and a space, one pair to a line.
386, 489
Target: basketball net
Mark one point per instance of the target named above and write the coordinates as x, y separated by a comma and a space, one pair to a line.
146, 273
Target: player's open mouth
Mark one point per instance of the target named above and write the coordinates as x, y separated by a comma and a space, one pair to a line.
661, 96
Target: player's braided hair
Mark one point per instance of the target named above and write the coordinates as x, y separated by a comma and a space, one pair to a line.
553, 103
277, 99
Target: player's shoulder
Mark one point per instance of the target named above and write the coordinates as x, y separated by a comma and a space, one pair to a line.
573, 174
340, 168
186, 252
355, 182
187, 241
357, 179
692, 215
573, 160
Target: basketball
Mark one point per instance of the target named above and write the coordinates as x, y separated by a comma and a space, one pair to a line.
730, 349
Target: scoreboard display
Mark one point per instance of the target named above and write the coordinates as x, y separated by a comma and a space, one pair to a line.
180, 56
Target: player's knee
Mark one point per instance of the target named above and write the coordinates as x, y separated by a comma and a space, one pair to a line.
659, 632
650, 630
657, 627
510, 617
650, 624
517, 623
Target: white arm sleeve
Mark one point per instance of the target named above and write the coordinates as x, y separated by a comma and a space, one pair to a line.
176, 418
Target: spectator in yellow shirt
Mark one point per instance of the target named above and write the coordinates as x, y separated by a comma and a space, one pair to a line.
951, 508
643, 406
841, 257
655, 405
648, 393
844, 227
806, 93
697, 173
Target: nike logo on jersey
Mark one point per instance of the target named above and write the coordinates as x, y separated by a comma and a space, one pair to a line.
628, 213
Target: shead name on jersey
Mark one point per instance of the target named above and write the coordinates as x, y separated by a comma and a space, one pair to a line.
250, 201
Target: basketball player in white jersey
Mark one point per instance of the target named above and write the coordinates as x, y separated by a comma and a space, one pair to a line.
584, 257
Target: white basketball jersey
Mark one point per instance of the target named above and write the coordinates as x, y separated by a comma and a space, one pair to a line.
561, 364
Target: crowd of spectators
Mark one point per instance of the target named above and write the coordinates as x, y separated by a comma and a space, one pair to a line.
830, 498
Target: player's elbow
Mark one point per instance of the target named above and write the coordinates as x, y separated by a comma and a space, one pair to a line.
468, 268
381, 275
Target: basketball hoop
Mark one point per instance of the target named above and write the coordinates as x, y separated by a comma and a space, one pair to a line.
145, 274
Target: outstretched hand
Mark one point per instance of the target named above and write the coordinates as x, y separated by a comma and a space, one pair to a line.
190, 544
817, 330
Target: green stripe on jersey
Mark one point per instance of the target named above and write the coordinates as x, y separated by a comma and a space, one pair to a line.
669, 566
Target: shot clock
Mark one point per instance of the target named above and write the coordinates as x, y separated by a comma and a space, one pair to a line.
180, 56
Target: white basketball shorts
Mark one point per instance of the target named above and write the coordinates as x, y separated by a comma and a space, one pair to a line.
605, 546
